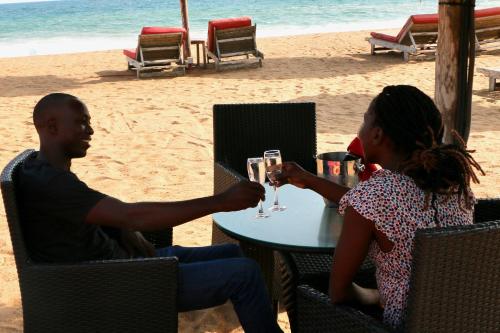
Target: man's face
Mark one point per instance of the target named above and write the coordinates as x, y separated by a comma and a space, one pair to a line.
74, 131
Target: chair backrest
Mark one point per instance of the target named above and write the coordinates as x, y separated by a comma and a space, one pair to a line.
455, 282
487, 24
247, 130
487, 209
160, 48
8, 180
235, 41
423, 29
225, 23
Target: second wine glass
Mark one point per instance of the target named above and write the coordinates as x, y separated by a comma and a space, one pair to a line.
257, 173
272, 161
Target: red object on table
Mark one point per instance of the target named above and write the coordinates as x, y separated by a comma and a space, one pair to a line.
356, 148
220, 24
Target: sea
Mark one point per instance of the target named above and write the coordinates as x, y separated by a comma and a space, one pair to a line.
67, 26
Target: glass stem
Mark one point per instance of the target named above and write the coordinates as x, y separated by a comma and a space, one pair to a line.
275, 195
261, 208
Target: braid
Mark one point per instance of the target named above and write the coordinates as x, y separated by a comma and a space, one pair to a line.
414, 124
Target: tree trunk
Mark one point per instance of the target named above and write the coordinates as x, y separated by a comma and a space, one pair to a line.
185, 25
454, 66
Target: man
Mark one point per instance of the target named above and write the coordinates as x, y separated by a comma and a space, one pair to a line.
66, 221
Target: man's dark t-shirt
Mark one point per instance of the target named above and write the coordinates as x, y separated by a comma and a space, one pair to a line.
54, 205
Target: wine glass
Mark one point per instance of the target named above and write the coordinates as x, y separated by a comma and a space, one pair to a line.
257, 173
272, 160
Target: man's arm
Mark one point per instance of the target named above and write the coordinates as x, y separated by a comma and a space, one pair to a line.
150, 216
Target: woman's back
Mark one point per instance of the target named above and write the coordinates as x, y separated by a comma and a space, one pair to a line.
398, 207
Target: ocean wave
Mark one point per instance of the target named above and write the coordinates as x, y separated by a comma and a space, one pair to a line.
74, 44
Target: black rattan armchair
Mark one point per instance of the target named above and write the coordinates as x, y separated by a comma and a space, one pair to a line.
454, 287
487, 209
247, 130
137, 295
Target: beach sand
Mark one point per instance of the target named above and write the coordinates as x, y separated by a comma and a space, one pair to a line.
153, 137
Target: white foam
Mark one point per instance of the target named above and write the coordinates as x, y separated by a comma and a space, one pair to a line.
57, 45
73, 44
292, 30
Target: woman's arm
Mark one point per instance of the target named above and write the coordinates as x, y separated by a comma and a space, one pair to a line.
294, 174
352, 248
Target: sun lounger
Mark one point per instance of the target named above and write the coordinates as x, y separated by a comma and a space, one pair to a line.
487, 24
159, 52
234, 37
419, 34
493, 74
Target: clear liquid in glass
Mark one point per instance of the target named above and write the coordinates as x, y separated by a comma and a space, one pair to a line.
257, 173
272, 160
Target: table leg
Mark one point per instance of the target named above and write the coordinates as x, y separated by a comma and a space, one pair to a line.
266, 259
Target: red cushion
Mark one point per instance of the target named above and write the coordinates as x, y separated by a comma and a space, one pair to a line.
155, 30
130, 53
163, 30
425, 18
226, 23
385, 37
414, 19
487, 12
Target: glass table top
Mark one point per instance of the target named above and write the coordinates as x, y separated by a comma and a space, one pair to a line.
306, 224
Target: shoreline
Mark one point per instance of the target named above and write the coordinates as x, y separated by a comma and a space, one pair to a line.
133, 42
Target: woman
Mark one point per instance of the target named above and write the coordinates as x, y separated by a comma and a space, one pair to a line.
423, 183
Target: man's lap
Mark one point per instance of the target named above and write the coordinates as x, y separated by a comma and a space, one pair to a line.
202, 253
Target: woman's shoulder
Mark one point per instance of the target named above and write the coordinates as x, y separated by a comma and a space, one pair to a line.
386, 180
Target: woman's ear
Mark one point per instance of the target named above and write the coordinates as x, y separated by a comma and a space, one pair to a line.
377, 135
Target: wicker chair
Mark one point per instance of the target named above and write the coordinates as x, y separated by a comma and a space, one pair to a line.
314, 269
487, 209
453, 287
137, 295
247, 130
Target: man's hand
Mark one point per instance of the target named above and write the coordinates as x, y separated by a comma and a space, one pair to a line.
243, 195
292, 173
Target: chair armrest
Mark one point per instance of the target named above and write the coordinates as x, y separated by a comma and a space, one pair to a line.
317, 314
487, 209
225, 177
101, 296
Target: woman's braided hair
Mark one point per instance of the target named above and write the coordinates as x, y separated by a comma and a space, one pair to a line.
413, 123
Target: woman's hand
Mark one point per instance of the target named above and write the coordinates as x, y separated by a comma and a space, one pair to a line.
292, 173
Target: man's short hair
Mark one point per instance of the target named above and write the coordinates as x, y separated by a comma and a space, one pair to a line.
52, 101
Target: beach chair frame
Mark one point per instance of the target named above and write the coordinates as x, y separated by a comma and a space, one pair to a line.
493, 75
157, 53
487, 32
413, 43
235, 42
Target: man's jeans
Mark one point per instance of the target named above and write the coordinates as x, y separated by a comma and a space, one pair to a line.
209, 276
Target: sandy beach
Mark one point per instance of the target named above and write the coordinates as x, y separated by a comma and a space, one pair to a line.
153, 137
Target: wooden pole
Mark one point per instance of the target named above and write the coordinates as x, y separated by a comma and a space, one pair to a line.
185, 25
455, 65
